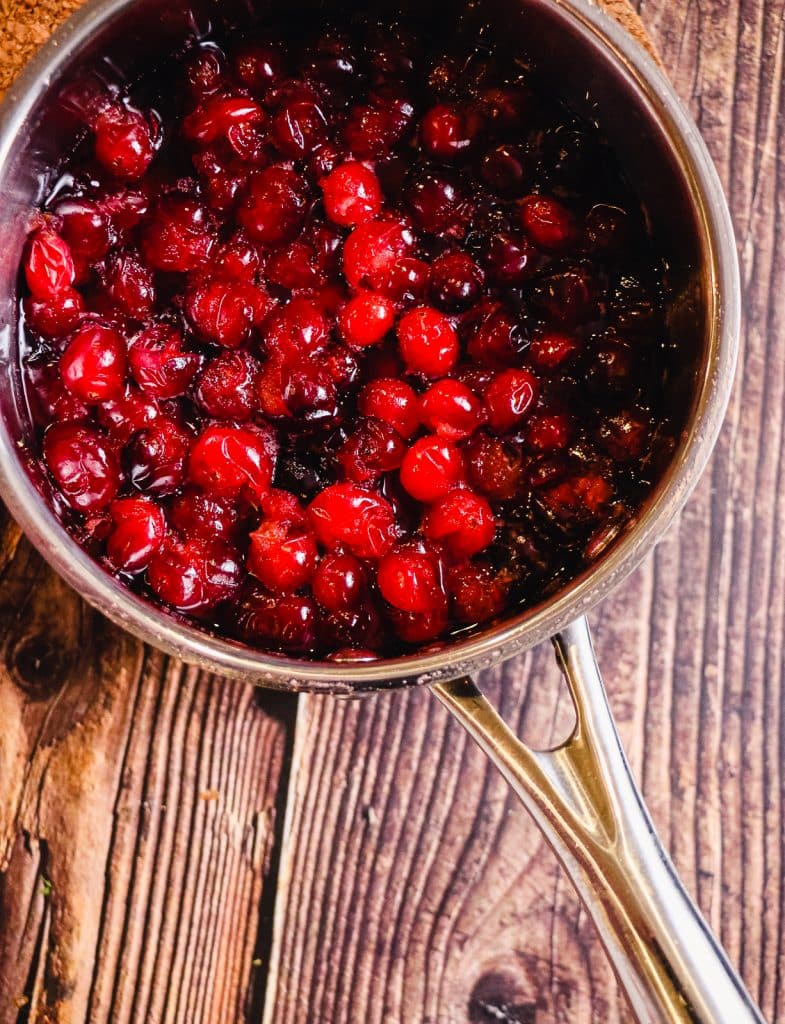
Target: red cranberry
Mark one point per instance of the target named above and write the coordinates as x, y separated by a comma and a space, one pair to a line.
548, 223
284, 559
84, 466
49, 265
196, 514
223, 460
505, 170
551, 349
371, 250
566, 296
451, 410
290, 623
509, 259
194, 575
272, 209
123, 416
226, 388
125, 209
124, 142
48, 399
352, 195
366, 319
434, 203
393, 402
223, 312
237, 260
259, 66
498, 340
139, 528
341, 365
548, 431
220, 176
155, 458
159, 364
217, 115
295, 266
55, 317
93, 365
297, 329
576, 501
476, 594
349, 516
373, 448
129, 285
509, 397
448, 131
430, 468
86, 228
406, 281
339, 583
205, 70
428, 342
409, 581
625, 435
496, 468
419, 628
463, 521
299, 127
456, 282
507, 107
178, 236
372, 130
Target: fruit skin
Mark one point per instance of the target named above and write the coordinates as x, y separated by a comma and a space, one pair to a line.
159, 363
463, 521
281, 557
509, 397
430, 468
428, 342
447, 131
93, 365
352, 194
393, 401
476, 594
224, 460
451, 410
366, 319
49, 265
138, 532
155, 458
548, 223
371, 250
346, 515
194, 575
272, 207
84, 465
339, 583
124, 142
409, 581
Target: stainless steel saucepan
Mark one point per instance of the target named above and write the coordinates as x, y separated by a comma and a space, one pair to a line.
581, 794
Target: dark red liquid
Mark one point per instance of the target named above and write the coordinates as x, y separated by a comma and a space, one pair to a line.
345, 346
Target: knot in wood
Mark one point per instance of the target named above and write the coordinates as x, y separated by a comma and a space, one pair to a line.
38, 666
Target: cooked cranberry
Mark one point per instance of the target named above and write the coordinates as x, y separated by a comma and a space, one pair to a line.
124, 142
159, 364
434, 202
350, 516
372, 130
309, 394
342, 366
83, 464
223, 312
576, 501
430, 468
632, 306
566, 296
298, 127
352, 195
498, 340
366, 319
505, 170
406, 281
282, 558
54, 317
373, 448
509, 259
272, 208
606, 228
610, 371
625, 434
393, 402
48, 398
197, 514
463, 521
290, 623
129, 285
226, 388
138, 530
339, 583
86, 228
217, 115
409, 581
418, 627
49, 266
451, 410
370, 251
509, 397
223, 460
178, 236
548, 431
447, 131
93, 365
237, 260
551, 349
194, 575
155, 457
122, 417
506, 107
476, 593
428, 342
220, 176
548, 223
125, 208
259, 66
295, 266
299, 328
496, 468
456, 282
205, 70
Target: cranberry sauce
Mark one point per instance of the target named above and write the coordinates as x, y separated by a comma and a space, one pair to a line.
341, 346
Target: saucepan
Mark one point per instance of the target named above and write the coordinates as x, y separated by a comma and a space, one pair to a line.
581, 794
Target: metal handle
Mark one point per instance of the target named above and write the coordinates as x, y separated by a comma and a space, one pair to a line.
583, 797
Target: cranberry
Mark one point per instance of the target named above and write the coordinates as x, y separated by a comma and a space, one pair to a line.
606, 228
505, 170
48, 398
221, 178
272, 208
496, 468
84, 466
447, 131
548, 431
217, 115
430, 468
428, 342
194, 575
548, 223
296, 329
350, 516
372, 130
159, 364
122, 417
282, 558
463, 521
294, 266
434, 203
506, 107
139, 528
155, 458
237, 260
366, 319
625, 434
226, 388
498, 340
409, 581
393, 402
509, 397
259, 66
86, 228
93, 365
419, 628
352, 195
223, 460
55, 317
551, 349
373, 448
476, 594
290, 623
129, 286
509, 259
178, 236
125, 142
566, 296
575, 502
339, 583
205, 70
451, 410
456, 282
610, 372
223, 312
371, 250
49, 265
406, 281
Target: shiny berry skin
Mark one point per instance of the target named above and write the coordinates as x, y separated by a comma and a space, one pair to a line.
417, 627
282, 558
159, 363
548, 223
433, 201
373, 448
299, 126
428, 342
216, 115
352, 194
463, 521
371, 250
272, 207
498, 340
194, 574
430, 468
226, 388
122, 417
259, 66
394, 402
551, 349
124, 142
193, 513
289, 623
409, 581
178, 235
447, 131
223, 312
509, 397
56, 316
139, 528
205, 70
548, 431
339, 583
155, 458
496, 468
625, 434
83, 464
346, 515
93, 366
48, 398
224, 460
566, 296
476, 594
366, 319
506, 170
129, 286
606, 229
406, 281
451, 410
86, 228
509, 259
456, 282
49, 265
297, 329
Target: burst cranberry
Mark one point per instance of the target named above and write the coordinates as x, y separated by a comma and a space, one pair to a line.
548, 431
93, 365
197, 514
566, 296
259, 66
194, 575
624, 435
372, 130
509, 397
124, 142
451, 410
298, 128
123, 416
223, 312
297, 329
551, 349
456, 282
129, 286
373, 448
548, 223
428, 342
290, 623
84, 466
272, 209
463, 521
447, 131
155, 458
47, 397
498, 340
283, 559
49, 265
225, 459
409, 581
434, 203
295, 266
178, 236
339, 583
55, 317
393, 402
430, 468
496, 468
366, 319
576, 501
610, 372
352, 195
237, 260
509, 259
86, 228
505, 170
159, 364
138, 530
205, 70
349, 516
476, 593
371, 249
215, 116
226, 388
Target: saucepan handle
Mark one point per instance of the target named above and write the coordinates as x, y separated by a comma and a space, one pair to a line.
583, 797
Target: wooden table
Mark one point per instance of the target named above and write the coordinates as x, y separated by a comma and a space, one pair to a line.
179, 848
